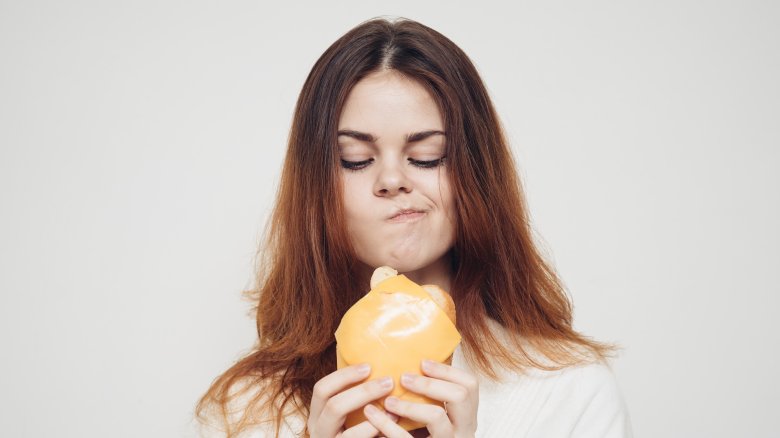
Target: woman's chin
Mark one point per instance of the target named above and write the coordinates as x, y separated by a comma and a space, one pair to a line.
413, 269
404, 262
407, 260
402, 266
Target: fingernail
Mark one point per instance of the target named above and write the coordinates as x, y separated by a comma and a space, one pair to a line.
427, 365
386, 382
407, 379
391, 402
371, 410
364, 369
393, 417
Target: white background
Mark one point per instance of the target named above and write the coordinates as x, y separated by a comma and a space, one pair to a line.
141, 142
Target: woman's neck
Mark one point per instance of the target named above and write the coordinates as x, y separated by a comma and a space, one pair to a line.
438, 273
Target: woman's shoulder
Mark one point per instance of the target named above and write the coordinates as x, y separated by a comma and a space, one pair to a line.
590, 376
587, 400
581, 400
577, 401
586, 377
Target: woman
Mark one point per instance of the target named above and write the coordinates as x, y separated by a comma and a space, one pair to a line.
396, 157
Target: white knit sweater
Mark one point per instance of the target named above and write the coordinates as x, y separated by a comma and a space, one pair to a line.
577, 402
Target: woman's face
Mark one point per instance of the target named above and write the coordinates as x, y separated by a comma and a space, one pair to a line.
398, 202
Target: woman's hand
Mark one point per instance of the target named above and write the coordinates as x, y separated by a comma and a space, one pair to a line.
331, 402
455, 387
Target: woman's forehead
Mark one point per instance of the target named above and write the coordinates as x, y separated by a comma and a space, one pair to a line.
387, 105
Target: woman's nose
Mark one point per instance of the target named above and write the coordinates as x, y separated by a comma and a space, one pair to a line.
392, 179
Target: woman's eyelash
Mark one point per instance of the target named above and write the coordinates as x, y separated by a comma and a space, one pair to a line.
356, 165
424, 164
427, 164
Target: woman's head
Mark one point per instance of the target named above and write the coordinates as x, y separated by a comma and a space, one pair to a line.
356, 88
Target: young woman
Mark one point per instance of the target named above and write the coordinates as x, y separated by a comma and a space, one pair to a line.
396, 157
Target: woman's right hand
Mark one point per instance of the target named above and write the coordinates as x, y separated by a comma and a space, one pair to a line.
331, 402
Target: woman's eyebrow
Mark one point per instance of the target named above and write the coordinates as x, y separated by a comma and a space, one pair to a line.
418, 136
410, 138
362, 136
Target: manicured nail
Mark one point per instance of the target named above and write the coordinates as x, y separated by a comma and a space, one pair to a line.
364, 369
407, 379
428, 365
386, 382
391, 402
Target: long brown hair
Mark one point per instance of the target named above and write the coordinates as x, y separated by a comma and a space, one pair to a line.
307, 275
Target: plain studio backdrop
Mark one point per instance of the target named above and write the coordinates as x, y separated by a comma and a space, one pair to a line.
141, 144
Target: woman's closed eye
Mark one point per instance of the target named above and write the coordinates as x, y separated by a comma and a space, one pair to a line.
428, 164
355, 165
423, 164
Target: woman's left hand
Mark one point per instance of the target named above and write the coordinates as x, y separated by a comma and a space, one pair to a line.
455, 387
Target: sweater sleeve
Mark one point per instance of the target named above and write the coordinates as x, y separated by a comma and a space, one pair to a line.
604, 413
212, 426
578, 402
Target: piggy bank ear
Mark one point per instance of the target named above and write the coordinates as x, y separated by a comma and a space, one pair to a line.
442, 299
381, 274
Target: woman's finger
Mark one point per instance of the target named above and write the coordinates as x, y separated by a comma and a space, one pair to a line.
434, 388
456, 387
337, 407
432, 416
334, 383
384, 424
449, 373
362, 430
